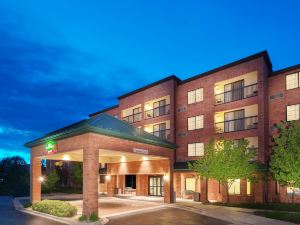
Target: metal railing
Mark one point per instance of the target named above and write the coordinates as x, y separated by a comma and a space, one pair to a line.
158, 111
133, 118
236, 94
245, 123
164, 134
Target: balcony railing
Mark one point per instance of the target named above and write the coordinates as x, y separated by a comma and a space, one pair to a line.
236, 94
158, 111
133, 118
164, 134
245, 123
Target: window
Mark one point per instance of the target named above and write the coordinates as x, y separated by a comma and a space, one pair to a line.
195, 96
234, 91
190, 184
248, 187
195, 122
196, 149
235, 188
292, 81
277, 187
102, 179
289, 191
292, 112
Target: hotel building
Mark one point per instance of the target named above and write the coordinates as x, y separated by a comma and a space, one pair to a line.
143, 145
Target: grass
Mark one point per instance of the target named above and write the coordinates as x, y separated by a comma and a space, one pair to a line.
270, 206
293, 217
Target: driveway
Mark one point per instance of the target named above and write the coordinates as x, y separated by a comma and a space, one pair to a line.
9, 216
165, 216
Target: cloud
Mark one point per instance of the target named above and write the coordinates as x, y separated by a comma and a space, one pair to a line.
45, 86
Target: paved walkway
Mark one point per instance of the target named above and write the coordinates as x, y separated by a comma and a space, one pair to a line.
239, 216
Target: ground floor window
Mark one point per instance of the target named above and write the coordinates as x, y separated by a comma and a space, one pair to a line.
190, 184
130, 181
289, 191
235, 188
248, 187
102, 179
156, 186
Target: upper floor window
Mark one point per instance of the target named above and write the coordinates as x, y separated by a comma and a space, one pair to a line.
196, 149
132, 115
293, 112
292, 81
195, 122
161, 130
195, 96
235, 188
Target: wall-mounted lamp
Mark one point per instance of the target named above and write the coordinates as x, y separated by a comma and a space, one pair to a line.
166, 177
66, 157
41, 179
107, 177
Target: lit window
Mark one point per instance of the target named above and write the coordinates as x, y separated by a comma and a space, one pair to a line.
292, 81
195, 96
196, 149
195, 122
292, 112
248, 187
190, 184
235, 188
289, 190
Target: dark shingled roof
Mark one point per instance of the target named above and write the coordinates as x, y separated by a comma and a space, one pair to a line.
106, 125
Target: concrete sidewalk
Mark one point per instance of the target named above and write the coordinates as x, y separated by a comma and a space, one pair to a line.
239, 216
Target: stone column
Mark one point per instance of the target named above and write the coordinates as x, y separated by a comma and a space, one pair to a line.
169, 183
35, 182
90, 180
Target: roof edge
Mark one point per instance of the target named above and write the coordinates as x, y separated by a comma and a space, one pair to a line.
263, 54
104, 110
149, 86
284, 70
91, 129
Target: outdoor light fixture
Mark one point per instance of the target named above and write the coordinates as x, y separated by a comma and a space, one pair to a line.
66, 157
107, 177
123, 159
41, 179
166, 177
145, 158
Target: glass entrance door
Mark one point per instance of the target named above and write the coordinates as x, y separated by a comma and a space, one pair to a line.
156, 186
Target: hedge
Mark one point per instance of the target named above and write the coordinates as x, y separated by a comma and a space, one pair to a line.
55, 208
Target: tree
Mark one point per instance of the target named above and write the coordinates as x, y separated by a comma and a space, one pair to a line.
225, 161
14, 176
77, 174
285, 161
50, 181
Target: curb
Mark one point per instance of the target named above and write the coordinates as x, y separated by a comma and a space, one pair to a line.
19, 207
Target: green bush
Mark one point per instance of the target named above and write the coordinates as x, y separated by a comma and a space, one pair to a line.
83, 218
94, 217
55, 208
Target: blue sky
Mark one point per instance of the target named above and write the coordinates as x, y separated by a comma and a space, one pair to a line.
61, 60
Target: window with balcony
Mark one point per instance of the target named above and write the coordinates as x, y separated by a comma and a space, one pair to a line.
196, 149
159, 108
292, 81
195, 96
236, 121
134, 116
160, 130
293, 112
236, 91
195, 122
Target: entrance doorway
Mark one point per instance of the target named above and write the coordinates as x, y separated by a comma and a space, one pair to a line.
156, 186
130, 184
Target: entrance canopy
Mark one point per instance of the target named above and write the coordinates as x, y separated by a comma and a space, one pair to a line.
104, 139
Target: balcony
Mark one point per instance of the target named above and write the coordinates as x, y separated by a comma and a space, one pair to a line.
240, 124
164, 134
236, 94
133, 118
158, 111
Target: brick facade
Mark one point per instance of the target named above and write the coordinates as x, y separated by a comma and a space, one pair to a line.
268, 111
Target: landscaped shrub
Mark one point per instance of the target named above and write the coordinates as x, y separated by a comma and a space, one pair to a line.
55, 207
94, 217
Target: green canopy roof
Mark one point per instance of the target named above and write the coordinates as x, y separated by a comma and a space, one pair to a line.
106, 125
